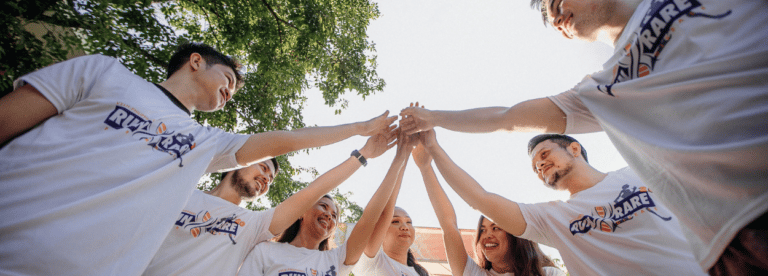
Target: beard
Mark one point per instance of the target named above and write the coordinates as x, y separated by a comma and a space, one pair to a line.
241, 186
558, 175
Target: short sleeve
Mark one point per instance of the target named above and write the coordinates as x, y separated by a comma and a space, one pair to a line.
256, 260
365, 265
578, 117
68, 82
472, 269
259, 226
342, 256
552, 271
536, 225
227, 145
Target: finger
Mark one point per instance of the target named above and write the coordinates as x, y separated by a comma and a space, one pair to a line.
406, 111
391, 119
385, 113
417, 104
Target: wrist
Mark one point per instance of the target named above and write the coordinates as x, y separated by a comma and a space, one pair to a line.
366, 152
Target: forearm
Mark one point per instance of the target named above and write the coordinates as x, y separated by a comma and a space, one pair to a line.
265, 145
537, 115
446, 215
360, 236
454, 246
380, 230
292, 208
21, 110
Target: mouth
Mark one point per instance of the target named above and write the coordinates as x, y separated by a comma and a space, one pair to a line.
490, 245
260, 185
324, 223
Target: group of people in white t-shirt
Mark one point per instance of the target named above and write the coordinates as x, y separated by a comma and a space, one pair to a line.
99, 166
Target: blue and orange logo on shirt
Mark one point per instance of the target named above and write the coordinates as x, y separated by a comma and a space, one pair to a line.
624, 208
163, 140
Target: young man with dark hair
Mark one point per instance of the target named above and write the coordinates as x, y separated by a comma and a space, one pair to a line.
684, 101
611, 224
93, 188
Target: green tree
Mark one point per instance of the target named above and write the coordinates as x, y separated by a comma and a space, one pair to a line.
286, 46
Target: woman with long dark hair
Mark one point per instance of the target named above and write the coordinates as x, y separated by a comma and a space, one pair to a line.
304, 249
499, 252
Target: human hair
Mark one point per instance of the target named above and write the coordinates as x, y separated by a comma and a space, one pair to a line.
209, 54
563, 140
527, 258
411, 261
541, 7
289, 234
274, 162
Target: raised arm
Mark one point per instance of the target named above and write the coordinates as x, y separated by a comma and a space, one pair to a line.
380, 229
537, 115
292, 208
265, 145
504, 212
358, 239
21, 110
454, 246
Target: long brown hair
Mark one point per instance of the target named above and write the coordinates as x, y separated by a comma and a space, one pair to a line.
290, 234
528, 259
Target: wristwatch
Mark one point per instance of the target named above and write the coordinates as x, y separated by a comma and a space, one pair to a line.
359, 157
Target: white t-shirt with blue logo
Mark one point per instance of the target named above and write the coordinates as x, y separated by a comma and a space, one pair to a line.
616, 227
94, 189
382, 265
284, 259
211, 236
685, 100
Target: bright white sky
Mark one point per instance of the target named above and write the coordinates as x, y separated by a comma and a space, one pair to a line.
455, 55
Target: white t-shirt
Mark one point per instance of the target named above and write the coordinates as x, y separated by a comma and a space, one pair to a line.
685, 100
284, 259
212, 236
473, 269
382, 265
93, 189
613, 228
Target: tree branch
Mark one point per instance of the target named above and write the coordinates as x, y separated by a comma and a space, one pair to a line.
275, 15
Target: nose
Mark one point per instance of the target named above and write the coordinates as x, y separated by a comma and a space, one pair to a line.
404, 227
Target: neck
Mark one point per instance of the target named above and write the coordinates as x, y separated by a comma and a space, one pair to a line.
398, 254
304, 240
501, 267
583, 177
622, 12
226, 192
179, 87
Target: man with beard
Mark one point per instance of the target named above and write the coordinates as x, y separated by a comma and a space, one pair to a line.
611, 224
213, 234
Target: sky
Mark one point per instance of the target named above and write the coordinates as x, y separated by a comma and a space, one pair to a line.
455, 55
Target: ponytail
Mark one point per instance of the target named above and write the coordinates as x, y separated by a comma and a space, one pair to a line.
411, 261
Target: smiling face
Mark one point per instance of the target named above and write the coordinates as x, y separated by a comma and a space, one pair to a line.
580, 19
493, 242
552, 163
401, 233
217, 82
319, 222
253, 181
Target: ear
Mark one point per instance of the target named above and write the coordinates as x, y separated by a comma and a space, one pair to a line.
574, 149
196, 61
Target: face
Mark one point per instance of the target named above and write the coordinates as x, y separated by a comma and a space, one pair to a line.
493, 242
400, 233
217, 82
254, 180
581, 19
320, 220
551, 163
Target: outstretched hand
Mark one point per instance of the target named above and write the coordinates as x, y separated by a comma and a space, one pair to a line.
378, 124
406, 143
416, 119
378, 144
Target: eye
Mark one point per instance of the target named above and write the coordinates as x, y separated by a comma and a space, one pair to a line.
410, 222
